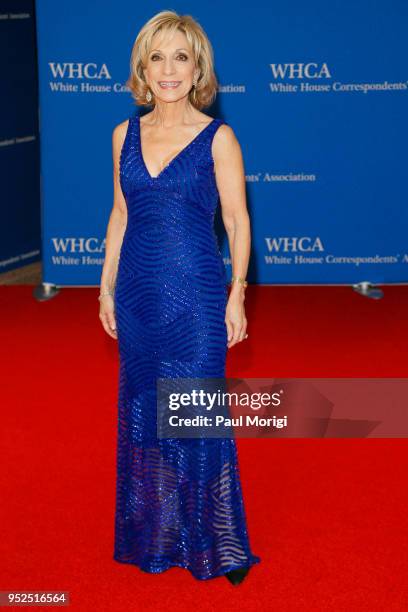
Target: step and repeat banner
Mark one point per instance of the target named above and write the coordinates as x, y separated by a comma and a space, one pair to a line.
316, 94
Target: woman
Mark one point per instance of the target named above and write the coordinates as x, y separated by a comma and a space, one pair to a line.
164, 297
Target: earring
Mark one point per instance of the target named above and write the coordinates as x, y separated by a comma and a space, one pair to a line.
194, 90
148, 96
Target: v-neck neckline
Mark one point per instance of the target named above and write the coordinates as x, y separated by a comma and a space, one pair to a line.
188, 145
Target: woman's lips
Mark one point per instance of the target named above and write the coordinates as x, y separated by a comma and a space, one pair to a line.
169, 84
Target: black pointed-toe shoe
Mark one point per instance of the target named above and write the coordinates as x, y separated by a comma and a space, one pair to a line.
236, 576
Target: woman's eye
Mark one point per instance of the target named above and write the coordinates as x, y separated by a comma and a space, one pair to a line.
182, 55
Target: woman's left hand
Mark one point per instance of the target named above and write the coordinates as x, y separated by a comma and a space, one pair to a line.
235, 318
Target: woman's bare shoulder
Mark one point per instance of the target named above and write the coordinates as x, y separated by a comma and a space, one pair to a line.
225, 138
119, 131
118, 138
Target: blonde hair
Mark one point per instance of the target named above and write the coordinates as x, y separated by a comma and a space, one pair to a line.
200, 96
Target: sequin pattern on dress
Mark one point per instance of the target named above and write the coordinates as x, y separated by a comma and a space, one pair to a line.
178, 501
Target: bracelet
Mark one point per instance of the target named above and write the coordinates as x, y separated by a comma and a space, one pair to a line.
242, 281
101, 295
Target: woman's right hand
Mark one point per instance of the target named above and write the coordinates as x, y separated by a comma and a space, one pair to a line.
107, 316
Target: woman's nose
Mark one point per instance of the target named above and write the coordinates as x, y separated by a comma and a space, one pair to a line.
169, 67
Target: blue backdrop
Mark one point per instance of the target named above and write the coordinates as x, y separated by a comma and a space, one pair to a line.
316, 93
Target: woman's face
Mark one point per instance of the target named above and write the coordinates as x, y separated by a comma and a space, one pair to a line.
170, 68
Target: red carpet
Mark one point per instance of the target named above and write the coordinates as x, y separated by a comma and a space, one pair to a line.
328, 517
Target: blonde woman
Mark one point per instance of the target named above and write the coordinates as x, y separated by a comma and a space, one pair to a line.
164, 298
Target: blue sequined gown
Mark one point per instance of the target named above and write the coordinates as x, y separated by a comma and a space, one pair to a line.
178, 501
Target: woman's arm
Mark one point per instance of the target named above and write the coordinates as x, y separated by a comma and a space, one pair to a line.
230, 177
114, 236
